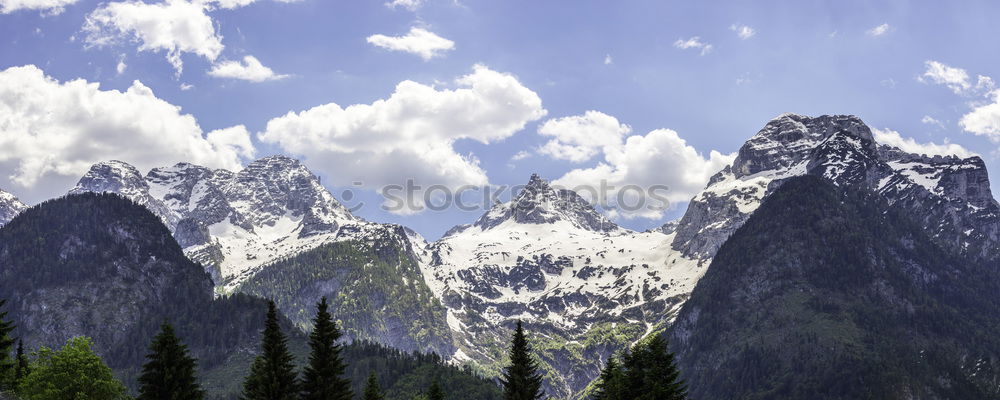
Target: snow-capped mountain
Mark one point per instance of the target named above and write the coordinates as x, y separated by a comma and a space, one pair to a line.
550, 259
232, 222
951, 192
10, 206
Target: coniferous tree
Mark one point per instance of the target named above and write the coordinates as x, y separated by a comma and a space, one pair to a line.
170, 372
521, 380
21, 369
323, 377
650, 373
610, 384
6, 345
372, 389
272, 375
435, 392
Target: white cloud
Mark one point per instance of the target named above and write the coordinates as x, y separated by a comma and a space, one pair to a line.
578, 138
909, 145
411, 5
120, 67
418, 41
186, 86
411, 134
879, 30
173, 26
956, 79
660, 157
984, 119
929, 120
57, 129
743, 31
520, 155
50, 7
693, 43
608, 60
249, 70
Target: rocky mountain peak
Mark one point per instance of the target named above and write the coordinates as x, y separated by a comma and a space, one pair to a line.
788, 140
10, 206
124, 179
541, 203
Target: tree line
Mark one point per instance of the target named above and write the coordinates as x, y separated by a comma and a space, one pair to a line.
170, 373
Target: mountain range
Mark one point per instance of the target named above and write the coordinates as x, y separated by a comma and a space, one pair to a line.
583, 285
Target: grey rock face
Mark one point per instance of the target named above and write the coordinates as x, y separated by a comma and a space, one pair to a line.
124, 179
952, 193
10, 206
540, 203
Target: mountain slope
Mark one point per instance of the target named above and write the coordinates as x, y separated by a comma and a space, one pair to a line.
828, 292
583, 286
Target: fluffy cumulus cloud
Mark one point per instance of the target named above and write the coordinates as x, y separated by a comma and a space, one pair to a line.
578, 138
693, 43
879, 30
956, 79
660, 158
249, 70
419, 41
984, 119
909, 145
51, 128
50, 7
411, 134
743, 31
173, 26
411, 5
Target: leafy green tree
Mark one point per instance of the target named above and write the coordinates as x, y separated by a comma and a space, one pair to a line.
435, 392
272, 375
521, 380
372, 389
170, 372
323, 377
73, 372
6, 346
650, 372
610, 385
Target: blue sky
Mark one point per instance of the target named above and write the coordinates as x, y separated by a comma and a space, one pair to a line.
622, 59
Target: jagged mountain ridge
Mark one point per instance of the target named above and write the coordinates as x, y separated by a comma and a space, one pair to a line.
10, 206
953, 193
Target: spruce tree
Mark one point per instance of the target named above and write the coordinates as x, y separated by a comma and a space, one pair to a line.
6, 346
650, 372
611, 382
21, 368
169, 373
435, 392
372, 389
272, 375
323, 377
521, 380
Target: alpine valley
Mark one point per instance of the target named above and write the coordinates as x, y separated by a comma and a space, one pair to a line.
863, 257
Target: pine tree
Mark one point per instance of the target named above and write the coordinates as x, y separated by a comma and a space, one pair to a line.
272, 375
521, 380
21, 369
372, 389
650, 372
435, 392
6, 345
322, 378
170, 372
610, 384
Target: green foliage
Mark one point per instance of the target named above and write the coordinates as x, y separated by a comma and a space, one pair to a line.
322, 377
611, 384
272, 375
375, 290
521, 380
372, 390
22, 368
435, 392
73, 372
170, 372
7, 364
648, 372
